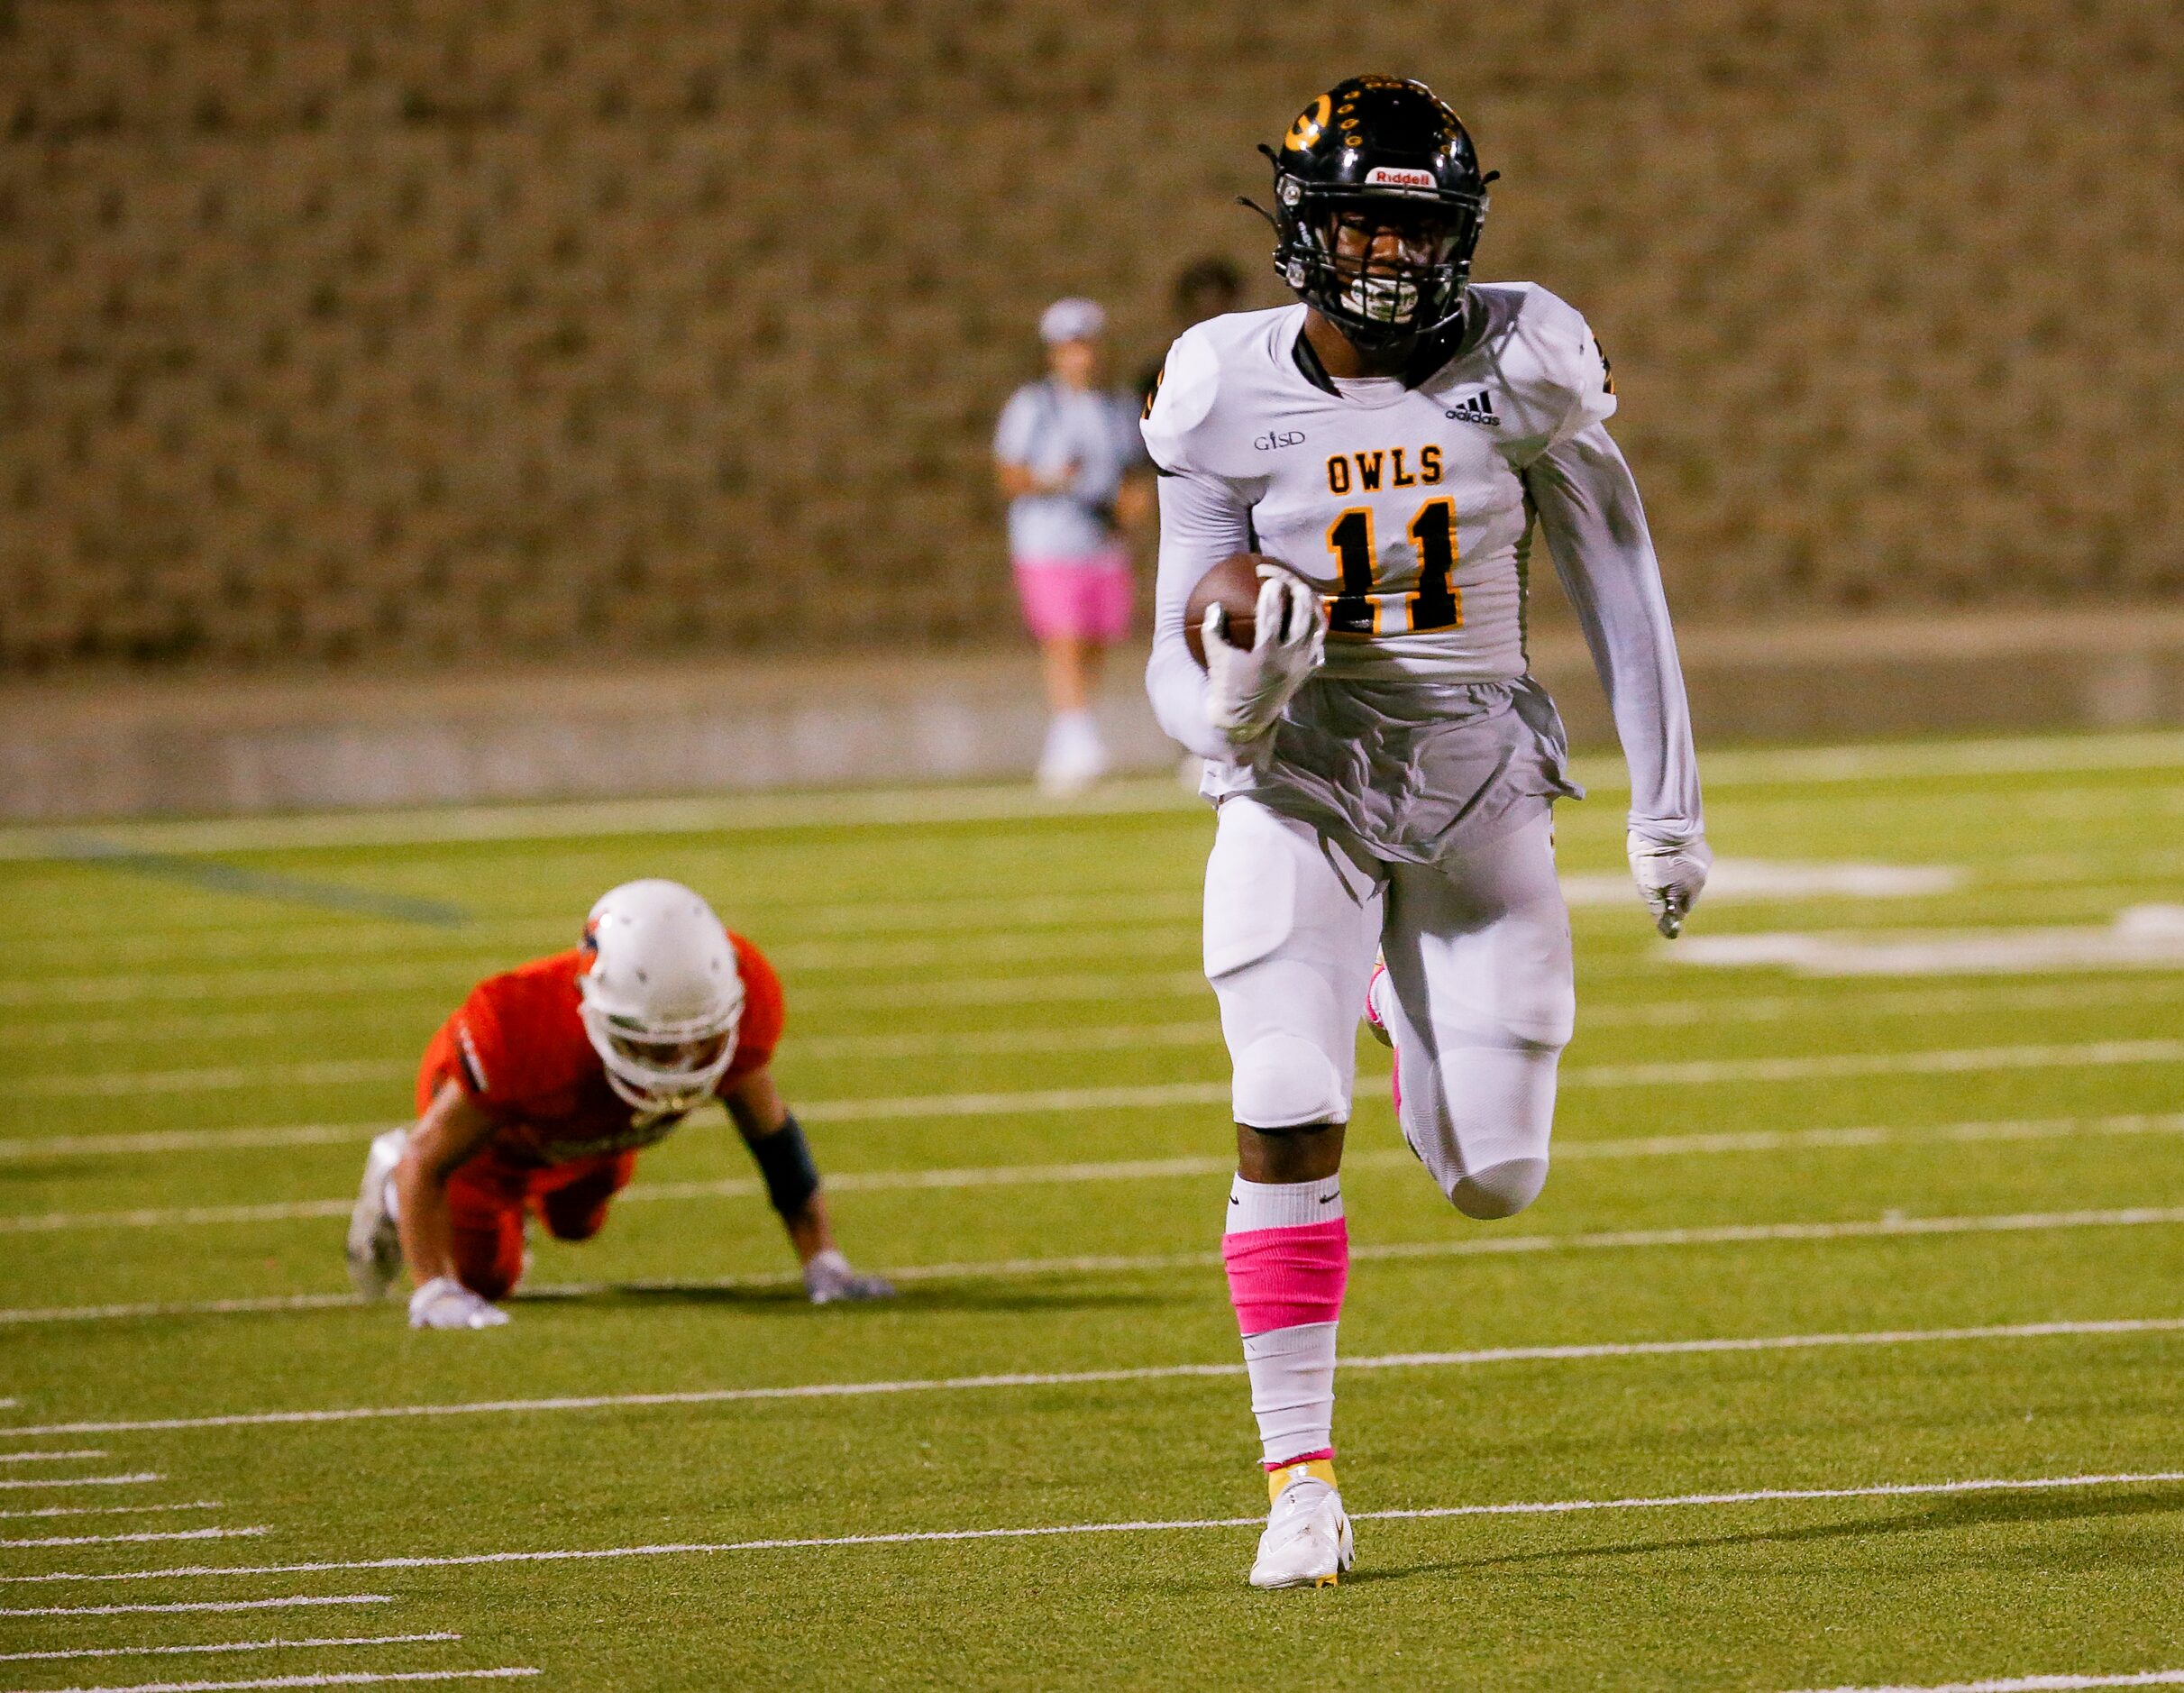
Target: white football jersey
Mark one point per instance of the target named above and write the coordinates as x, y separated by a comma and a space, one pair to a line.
1404, 506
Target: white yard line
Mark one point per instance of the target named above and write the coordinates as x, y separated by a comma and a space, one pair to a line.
919, 806
1139, 1037
1163, 1169
30, 1148
338, 1678
1758, 1496
454, 976
48, 1457
85, 1482
2029, 1683
1575, 1352
283, 1602
117, 1540
303, 1073
181, 1308
1953, 1061
51, 1221
228, 1645
2014, 1223
576, 819
1118, 1037
112, 1510
1042, 1101
1974, 996
1989, 756
874, 936
1948, 1061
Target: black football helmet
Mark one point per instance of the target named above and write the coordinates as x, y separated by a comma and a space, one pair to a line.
1378, 155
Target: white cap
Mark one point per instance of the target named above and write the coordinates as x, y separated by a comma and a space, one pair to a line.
1075, 318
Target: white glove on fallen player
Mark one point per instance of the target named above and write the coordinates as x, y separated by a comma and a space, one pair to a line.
1246, 688
1671, 870
444, 1303
829, 1277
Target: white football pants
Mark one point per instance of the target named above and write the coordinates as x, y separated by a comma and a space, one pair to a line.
1478, 953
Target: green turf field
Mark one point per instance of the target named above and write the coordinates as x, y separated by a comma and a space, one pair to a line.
1947, 1211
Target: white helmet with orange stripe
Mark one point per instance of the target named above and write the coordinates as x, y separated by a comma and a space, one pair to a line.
661, 997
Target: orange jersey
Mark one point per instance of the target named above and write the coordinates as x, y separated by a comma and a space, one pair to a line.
518, 1048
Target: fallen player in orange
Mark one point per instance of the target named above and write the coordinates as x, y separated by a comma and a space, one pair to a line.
535, 1097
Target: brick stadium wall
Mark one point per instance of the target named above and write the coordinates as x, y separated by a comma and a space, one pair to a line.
400, 330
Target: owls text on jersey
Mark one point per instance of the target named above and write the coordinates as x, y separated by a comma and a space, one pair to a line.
1404, 506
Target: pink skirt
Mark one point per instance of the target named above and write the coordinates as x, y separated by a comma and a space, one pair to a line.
1083, 599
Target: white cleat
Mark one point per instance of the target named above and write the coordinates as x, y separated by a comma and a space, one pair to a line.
375, 1244
1307, 1542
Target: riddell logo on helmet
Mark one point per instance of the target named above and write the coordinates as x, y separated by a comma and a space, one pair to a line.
1397, 176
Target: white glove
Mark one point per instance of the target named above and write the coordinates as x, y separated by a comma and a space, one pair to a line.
1245, 688
1671, 870
444, 1303
829, 1277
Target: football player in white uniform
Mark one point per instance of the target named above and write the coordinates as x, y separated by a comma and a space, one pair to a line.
1384, 766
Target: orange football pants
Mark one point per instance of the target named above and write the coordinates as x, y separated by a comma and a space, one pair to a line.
489, 1197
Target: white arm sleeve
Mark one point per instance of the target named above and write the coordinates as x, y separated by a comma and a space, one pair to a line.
1596, 527
1201, 523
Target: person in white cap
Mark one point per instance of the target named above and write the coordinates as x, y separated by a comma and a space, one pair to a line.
1069, 457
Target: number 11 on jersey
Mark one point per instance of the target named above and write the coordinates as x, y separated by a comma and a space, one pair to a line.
1363, 607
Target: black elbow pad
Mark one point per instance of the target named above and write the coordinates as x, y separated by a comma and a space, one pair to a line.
785, 1161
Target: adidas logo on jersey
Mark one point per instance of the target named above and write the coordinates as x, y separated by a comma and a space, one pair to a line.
1477, 408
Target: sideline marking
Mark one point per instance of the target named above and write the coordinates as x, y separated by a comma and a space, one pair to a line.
1156, 1372
2140, 937
1948, 1061
447, 826
211, 875
456, 825
337, 1678
2030, 1684
1758, 1496
48, 1457
85, 1481
201, 1604
1718, 1234
115, 1539
112, 1510
453, 975
228, 1645
1160, 1169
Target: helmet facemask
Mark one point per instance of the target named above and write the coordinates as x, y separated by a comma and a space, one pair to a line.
661, 1063
1384, 268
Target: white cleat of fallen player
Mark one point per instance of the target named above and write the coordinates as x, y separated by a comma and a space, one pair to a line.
1307, 1542
444, 1303
375, 1243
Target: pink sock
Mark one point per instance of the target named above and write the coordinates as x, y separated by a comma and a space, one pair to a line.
1287, 1250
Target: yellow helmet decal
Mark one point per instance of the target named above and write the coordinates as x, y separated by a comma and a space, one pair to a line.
1311, 122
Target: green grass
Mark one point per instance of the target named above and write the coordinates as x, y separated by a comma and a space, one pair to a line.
927, 959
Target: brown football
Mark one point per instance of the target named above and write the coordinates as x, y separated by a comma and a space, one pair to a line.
1234, 582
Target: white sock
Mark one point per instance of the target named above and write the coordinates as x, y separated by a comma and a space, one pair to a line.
1293, 1388
1287, 1252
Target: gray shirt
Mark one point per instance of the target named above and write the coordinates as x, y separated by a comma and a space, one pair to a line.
1047, 427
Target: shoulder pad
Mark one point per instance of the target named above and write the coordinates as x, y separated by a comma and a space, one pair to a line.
1570, 367
1183, 399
